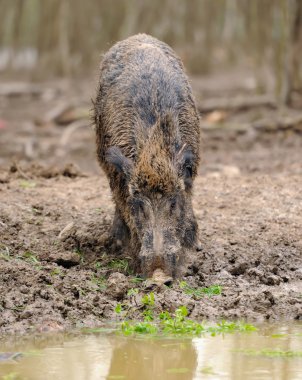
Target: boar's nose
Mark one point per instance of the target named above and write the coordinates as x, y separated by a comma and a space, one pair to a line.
157, 241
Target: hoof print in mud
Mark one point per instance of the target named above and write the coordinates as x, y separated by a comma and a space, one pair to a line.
66, 259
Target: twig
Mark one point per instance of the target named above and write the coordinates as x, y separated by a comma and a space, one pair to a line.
21, 172
236, 103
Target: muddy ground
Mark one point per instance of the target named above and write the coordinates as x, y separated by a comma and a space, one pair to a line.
56, 210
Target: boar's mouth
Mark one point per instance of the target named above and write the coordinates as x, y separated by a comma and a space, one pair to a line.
160, 278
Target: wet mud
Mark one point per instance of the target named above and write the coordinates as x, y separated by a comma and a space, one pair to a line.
57, 272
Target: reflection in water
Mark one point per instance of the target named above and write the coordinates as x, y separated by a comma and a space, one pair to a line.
153, 359
225, 358
96, 357
84, 357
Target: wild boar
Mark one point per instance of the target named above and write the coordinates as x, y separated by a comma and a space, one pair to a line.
148, 135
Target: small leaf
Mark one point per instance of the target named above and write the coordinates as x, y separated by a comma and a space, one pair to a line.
118, 308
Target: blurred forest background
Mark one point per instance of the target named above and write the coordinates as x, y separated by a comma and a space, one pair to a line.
51, 38
243, 58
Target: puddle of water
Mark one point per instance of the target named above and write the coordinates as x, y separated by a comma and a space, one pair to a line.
111, 356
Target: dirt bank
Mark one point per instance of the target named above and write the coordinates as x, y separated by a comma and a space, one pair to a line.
55, 270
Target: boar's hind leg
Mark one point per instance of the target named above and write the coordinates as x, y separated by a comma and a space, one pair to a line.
119, 232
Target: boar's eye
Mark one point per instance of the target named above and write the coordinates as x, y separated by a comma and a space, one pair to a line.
188, 171
185, 161
173, 205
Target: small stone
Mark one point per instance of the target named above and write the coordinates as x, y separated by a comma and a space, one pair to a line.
230, 171
298, 273
4, 178
224, 170
24, 289
224, 274
271, 280
239, 269
270, 297
44, 294
67, 231
72, 171
26, 314
117, 285
255, 272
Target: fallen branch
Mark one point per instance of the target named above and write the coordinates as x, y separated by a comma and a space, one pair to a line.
274, 123
16, 168
279, 123
52, 115
65, 113
236, 103
73, 127
21, 88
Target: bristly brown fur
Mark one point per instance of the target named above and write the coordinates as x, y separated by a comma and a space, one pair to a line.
147, 127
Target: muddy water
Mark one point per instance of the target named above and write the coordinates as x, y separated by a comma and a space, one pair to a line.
110, 356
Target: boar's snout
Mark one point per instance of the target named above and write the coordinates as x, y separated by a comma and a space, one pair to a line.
160, 250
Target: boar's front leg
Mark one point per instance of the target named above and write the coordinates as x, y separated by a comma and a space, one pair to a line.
120, 233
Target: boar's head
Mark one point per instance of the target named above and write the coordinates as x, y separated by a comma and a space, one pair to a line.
159, 197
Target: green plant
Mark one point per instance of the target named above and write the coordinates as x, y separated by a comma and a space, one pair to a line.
148, 299
55, 272
137, 280
176, 324
118, 308
99, 281
148, 315
132, 292
210, 291
81, 255
98, 265
120, 265
180, 324
230, 327
30, 258
145, 327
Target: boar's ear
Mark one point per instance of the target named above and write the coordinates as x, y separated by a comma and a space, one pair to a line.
185, 160
122, 164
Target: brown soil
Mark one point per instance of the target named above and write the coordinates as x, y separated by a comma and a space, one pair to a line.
55, 269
